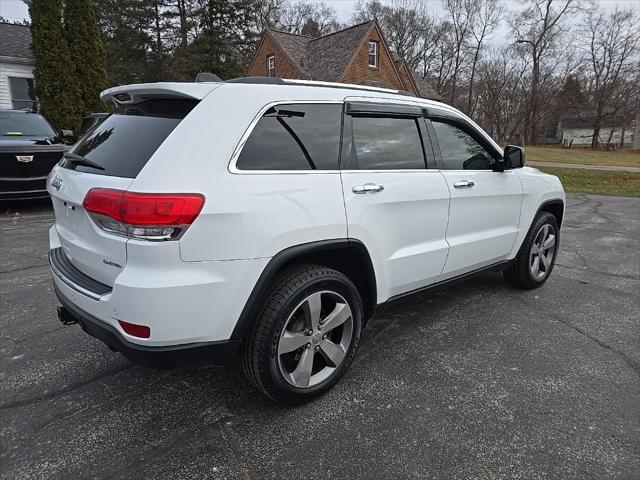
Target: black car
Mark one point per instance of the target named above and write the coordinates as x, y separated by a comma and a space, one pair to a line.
29, 148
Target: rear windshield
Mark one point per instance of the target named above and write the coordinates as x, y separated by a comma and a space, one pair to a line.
24, 124
126, 140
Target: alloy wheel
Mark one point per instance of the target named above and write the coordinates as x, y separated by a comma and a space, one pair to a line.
315, 339
542, 252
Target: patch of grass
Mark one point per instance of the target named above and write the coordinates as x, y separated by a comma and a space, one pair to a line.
597, 182
585, 156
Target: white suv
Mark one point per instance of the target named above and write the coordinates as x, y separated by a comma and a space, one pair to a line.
273, 216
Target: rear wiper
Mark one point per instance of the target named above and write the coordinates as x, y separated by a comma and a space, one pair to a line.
80, 160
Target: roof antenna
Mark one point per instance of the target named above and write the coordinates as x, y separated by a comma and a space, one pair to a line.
207, 77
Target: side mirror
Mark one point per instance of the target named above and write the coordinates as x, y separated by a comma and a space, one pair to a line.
513, 157
68, 136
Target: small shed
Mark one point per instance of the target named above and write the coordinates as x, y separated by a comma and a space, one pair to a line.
578, 132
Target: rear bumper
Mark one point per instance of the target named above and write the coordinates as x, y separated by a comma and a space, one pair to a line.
209, 353
183, 303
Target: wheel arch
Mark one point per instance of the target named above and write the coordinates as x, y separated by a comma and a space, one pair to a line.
554, 207
346, 255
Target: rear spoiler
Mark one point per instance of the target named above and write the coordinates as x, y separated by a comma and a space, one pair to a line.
130, 94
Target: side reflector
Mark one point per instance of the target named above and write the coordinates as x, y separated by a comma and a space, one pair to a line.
134, 330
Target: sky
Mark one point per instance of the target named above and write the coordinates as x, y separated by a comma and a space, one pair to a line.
17, 10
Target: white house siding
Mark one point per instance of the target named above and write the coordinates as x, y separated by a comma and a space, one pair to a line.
583, 136
11, 69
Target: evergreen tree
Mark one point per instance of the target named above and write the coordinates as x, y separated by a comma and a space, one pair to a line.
226, 39
125, 27
55, 84
87, 53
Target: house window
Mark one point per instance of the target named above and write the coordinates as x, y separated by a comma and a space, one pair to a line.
22, 95
373, 54
271, 66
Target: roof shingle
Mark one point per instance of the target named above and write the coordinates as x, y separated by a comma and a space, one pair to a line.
15, 41
295, 46
330, 55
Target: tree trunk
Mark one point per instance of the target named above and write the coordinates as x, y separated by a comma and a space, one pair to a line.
597, 122
532, 107
596, 136
182, 13
158, 38
473, 74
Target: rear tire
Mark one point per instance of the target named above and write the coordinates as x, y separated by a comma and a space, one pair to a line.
305, 335
537, 256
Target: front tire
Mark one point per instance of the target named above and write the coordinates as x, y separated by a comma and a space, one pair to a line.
305, 336
537, 256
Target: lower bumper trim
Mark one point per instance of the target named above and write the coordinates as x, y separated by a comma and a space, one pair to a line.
203, 353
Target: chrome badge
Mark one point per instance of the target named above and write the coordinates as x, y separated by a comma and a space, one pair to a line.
24, 158
56, 182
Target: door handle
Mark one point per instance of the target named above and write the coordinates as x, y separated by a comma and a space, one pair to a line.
367, 188
463, 184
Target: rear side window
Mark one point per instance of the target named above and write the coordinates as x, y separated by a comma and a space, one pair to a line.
294, 137
126, 140
384, 143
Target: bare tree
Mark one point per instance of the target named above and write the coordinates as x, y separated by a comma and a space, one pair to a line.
269, 13
435, 55
405, 24
612, 49
462, 14
537, 29
484, 23
314, 19
501, 94
439, 67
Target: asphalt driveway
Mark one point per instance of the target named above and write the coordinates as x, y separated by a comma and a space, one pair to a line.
477, 381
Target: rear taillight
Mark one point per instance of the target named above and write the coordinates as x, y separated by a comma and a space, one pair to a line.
148, 216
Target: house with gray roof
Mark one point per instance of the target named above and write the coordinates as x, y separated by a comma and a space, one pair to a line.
358, 54
16, 67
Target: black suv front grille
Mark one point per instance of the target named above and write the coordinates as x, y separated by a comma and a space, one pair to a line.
39, 165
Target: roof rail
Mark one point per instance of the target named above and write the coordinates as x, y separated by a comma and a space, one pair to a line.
350, 86
313, 83
304, 83
258, 80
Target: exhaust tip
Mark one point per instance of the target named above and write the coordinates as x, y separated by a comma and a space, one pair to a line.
65, 316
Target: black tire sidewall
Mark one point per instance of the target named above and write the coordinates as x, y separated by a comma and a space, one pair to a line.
347, 290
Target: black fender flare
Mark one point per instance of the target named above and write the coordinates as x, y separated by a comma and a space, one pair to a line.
288, 255
546, 203
541, 207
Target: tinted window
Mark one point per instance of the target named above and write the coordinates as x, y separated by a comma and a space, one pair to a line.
381, 143
294, 137
24, 124
89, 122
459, 150
126, 140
